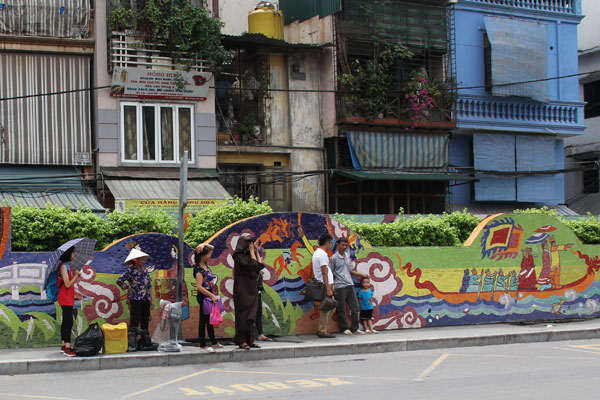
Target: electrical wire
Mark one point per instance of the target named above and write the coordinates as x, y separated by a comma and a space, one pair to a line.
349, 92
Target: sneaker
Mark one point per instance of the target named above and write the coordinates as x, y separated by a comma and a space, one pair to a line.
325, 335
62, 349
368, 331
361, 332
69, 352
347, 332
374, 331
207, 350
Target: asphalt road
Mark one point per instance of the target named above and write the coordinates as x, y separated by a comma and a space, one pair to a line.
556, 370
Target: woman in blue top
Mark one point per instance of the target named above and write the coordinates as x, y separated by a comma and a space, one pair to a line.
138, 285
206, 288
365, 295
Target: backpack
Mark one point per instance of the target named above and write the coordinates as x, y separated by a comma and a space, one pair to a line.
52, 287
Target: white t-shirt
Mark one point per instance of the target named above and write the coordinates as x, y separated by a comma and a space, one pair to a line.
319, 259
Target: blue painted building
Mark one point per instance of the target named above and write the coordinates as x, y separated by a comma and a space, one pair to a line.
512, 113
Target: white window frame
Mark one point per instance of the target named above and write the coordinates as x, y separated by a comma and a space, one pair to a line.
157, 129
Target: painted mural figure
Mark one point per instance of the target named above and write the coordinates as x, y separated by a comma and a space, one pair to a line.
514, 281
474, 281
527, 277
465, 281
544, 279
488, 281
502, 282
555, 261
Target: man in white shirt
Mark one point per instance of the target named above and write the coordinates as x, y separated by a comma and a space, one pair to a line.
322, 272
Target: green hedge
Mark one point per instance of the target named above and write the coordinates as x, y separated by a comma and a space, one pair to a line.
213, 218
35, 229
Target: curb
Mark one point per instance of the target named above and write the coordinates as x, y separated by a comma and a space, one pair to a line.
144, 360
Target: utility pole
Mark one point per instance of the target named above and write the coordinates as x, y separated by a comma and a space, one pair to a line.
182, 204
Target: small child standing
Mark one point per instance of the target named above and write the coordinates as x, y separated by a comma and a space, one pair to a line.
365, 295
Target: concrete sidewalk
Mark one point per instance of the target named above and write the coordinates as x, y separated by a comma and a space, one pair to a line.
43, 360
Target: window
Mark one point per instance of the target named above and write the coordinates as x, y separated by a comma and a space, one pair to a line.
487, 62
591, 179
156, 133
591, 95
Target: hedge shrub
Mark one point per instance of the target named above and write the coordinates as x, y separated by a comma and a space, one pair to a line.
213, 218
35, 229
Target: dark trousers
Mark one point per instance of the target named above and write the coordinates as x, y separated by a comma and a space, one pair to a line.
139, 314
258, 319
204, 326
67, 323
347, 296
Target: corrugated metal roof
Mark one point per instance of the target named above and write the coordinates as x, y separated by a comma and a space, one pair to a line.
157, 172
258, 39
586, 203
294, 10
166, 189
404, 176
73, 200
34, 178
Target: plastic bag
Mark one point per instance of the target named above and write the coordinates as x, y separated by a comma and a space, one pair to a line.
90, 342
207, 305
328, 303
215, 316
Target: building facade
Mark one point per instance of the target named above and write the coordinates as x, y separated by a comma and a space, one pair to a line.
515, 64
582, 153
46, 125
144, 122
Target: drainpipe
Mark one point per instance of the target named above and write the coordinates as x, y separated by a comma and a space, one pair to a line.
215, 8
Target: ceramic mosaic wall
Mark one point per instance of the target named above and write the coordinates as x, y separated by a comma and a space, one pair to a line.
513, 268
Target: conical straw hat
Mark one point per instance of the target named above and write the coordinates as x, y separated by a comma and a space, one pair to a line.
135, 253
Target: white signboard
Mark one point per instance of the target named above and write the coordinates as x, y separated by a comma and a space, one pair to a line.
159, 84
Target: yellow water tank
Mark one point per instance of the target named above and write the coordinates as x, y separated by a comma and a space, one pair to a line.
267, 20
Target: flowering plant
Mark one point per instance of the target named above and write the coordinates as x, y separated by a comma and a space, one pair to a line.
422, 96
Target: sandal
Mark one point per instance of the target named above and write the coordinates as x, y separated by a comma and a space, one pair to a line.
217, 346
255, 346
264, 338
244, 347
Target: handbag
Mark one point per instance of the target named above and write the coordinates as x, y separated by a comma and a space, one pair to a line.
314, 290
207, 305
215, 316
328, 304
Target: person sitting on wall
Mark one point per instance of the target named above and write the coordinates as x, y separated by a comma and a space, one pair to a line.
136, 281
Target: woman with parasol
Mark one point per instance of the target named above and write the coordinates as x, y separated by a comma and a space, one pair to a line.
65, 281
138, 284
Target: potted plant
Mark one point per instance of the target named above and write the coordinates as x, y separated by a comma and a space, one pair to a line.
249, 128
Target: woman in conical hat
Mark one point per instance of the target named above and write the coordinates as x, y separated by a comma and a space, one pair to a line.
136, 281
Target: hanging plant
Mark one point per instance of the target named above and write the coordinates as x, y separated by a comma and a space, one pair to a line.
423, 96
188, 33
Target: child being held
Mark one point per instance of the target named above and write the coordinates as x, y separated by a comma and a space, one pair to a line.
365, 295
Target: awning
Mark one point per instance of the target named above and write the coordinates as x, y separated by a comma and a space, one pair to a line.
35, 186
205, 189
397, 150
404, 176
519, 53
587, 203
72, 200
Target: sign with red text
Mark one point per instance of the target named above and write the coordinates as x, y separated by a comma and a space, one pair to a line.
170, 206
159, 84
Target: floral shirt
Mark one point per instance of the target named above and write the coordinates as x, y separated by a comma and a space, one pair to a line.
139, 281
208, 279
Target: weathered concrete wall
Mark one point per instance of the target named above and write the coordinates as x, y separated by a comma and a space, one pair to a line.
277, 119
493, 278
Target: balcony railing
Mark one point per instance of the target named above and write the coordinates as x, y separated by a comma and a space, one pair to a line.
558, 6
129, 50
68, 19
511, 112
394, 111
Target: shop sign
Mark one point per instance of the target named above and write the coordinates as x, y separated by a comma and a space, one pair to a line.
159, 84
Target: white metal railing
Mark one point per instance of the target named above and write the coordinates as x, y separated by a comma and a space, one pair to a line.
560, 6
128, 50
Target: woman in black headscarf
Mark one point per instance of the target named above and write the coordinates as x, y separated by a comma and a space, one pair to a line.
246, 268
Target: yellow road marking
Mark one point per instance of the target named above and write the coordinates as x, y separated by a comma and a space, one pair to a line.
274, 385
191, 392
248, 387
296, 374
31, 396
306, 383
587, 346
433, 366
160, 385
577, 350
